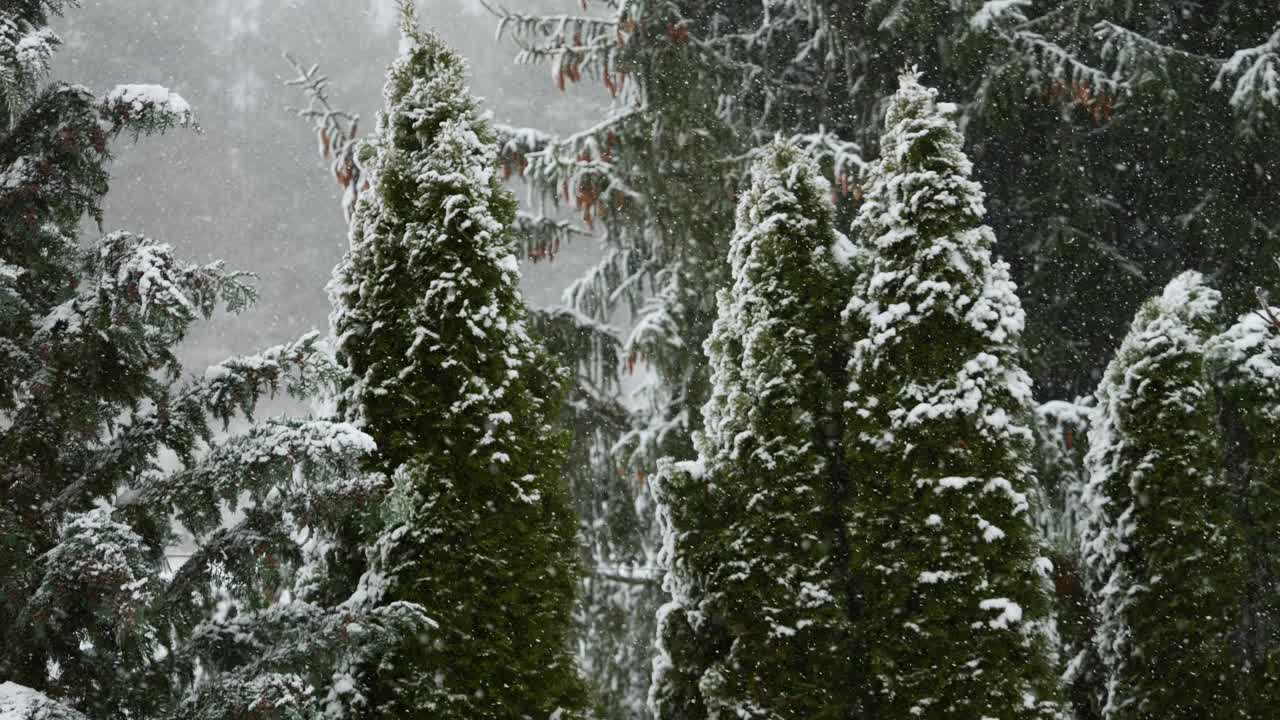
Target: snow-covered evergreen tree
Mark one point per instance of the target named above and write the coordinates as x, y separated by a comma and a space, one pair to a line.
1162, 551
952, 610
445, 377
1245, 365
96, 409
261, 615
91, 393
618, 595
757, 623
1070, 106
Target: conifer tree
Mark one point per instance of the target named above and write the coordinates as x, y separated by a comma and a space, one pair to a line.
1245, 363
91, 393
1069, 106
618, 595
1161, 548
757, 622
445, 377
96, 409
952, 608
268, 614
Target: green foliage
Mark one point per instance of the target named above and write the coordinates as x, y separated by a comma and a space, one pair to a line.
1075, 111
96, 411
444, 375
757, 624
1163, 554
951, 613
1243, 361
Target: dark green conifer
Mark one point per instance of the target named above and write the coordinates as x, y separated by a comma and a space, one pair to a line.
459, 398
1244, 362
1161, 550
758, 619
952, 611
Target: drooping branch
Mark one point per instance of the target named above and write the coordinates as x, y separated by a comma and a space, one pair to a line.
335, 130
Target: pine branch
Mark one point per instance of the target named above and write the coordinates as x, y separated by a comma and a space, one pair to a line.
1257, 73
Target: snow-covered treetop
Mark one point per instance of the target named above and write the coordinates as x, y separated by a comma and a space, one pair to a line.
927, 267
923, 143
1181, 319
1171, 329
783, 246
436, 207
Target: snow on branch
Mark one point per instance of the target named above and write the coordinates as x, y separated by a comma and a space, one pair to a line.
177, 421
542, 236
843, 159
25, 56
18, 702
260, 462
134, 281
622, 272
306, 366
996, 12
579, 341
578, 168
148, 274
629, 574
1256, 72
1060, 63
146, 109
289, 647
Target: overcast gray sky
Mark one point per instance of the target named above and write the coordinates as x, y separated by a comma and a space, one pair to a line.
251, 189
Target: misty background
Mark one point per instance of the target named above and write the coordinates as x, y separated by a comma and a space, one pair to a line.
252, 189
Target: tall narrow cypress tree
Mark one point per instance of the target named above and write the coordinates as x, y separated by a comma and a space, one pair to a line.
459, 399
952, 598
1160, 547
758, 620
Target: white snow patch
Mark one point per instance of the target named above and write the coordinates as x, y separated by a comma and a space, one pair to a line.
1010, 612
18, 702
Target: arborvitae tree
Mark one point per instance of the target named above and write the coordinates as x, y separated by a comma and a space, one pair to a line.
1162, 551
952, 605
445, 377
757, 624
657, 180
619, 594
1245, 364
